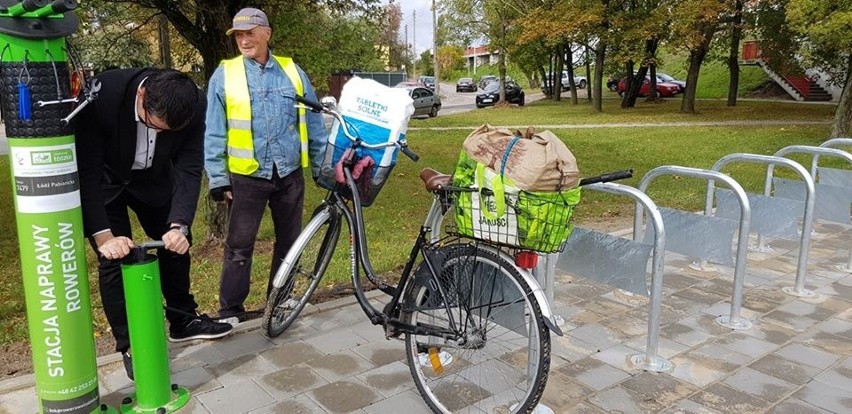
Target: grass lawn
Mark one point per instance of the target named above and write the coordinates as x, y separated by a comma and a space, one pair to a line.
395, 217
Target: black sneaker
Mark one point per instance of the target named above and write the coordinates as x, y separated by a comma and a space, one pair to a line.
200, 328
128, 364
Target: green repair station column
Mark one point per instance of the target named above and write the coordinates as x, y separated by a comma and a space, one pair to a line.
36, 96
145, 322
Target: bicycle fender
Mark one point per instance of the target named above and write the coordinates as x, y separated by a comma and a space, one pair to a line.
537, 291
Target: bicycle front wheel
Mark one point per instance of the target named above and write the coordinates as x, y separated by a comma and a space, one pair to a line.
301, 270
494, 353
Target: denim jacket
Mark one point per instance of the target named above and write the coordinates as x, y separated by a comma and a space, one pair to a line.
275, 130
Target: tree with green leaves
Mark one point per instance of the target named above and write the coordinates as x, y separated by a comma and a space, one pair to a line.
203, 22
823, 28
694, 26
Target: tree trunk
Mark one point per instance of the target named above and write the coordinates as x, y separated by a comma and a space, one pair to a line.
569, 65
557, 74
653, 96
165, 42
842, 126
696, 58
634, 85
600, 54
734, 54
589, 77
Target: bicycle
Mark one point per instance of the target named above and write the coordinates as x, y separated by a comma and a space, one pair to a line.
476, 326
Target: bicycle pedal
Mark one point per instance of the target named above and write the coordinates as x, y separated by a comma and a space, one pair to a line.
390, 333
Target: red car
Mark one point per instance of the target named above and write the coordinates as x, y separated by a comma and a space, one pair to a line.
664, 89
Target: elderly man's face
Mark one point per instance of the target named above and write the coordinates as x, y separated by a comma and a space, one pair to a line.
253, 43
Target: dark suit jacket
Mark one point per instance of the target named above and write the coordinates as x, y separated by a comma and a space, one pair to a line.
106, 147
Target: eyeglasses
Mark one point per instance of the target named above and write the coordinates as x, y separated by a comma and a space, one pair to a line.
146, 120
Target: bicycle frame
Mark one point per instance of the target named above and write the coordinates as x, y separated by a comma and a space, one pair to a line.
428, 235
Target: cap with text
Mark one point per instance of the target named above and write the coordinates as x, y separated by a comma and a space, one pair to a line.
247, 19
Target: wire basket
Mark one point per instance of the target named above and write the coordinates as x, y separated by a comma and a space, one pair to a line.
539, 221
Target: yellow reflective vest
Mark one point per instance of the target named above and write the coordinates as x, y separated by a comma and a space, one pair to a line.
238, 111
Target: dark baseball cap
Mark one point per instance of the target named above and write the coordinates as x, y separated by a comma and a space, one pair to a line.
247, 19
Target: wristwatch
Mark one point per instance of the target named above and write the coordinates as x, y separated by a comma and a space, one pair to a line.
182, 228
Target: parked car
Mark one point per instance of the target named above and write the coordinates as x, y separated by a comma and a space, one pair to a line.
486, 79
427, 81
664, 89
465, 84
579, 81
662, 77
612, 83
426, 102
491, 94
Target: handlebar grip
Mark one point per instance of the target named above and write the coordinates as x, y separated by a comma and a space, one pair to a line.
411, 154
151, 245
605, 178
315, 106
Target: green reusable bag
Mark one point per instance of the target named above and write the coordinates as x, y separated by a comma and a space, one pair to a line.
533, 220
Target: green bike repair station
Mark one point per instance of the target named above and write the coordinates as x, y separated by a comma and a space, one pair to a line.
38, 102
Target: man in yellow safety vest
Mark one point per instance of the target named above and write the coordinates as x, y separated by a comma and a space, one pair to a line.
256, 145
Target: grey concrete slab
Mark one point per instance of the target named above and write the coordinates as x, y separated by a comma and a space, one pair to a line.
239, 397
723, 398
563, 393
665, 390
291, 353
746, 345
244, 368
291, 381
690, 407
249, 343
795, 406
390, 379
597, 335
300, 404
345, 396
784, 369
408, 402
335, 367
620, 399
826, 396
24, 399
594, 374
760, 385
807, 355
382, 352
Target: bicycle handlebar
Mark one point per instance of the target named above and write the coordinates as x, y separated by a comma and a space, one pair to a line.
318, 107
315, 106
605, 178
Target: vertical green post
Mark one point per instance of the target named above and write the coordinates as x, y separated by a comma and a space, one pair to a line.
143, 296
46, 188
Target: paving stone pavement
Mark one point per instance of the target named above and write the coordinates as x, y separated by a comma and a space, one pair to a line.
796, 359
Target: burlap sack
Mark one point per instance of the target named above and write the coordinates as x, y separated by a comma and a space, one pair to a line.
537, 162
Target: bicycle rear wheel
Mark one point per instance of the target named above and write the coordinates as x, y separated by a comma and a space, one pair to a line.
500, 359
302, 270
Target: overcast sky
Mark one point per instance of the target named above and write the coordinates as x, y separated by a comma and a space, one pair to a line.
419, 29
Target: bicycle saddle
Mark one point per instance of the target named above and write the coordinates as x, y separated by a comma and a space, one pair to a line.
434, 180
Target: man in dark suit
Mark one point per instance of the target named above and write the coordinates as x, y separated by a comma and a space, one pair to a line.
140, 146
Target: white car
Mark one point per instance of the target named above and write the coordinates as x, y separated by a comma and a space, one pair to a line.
579, 81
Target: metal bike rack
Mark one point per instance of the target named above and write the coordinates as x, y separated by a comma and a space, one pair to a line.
686, 241
842, 178
591, 254
771, 215
832, 197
